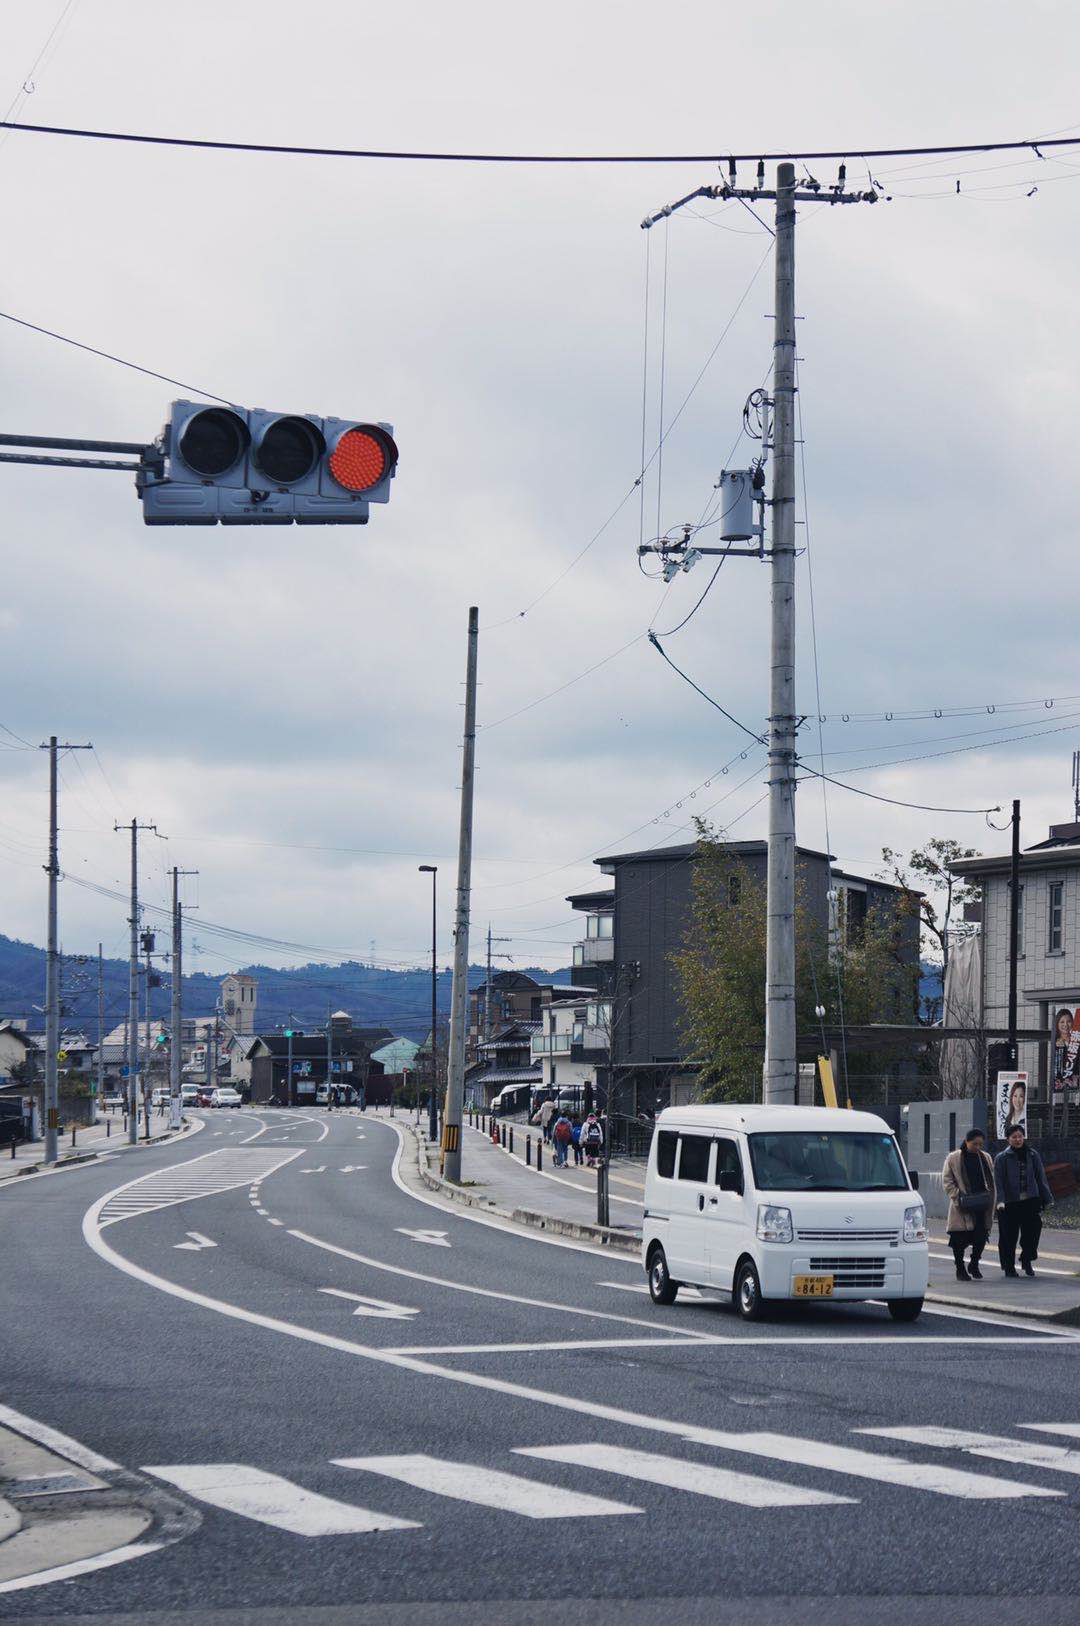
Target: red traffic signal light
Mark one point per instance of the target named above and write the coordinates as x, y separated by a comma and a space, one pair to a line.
363, 457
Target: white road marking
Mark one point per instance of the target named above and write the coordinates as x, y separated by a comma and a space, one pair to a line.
197, 1241
844, 1459
320, 1170
1071, 1430
658, 1341
352, 1168
437, 1239
488, 1487
680, 1474
269, 1499
82, 1566
691, 1293
263, 1211
274, 1221
372, 1307
206, 1176
998, 1447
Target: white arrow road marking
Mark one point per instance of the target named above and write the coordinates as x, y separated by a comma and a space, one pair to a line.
722, 1483
353, 1168
269, 1499
373, 1307
488, 1487
197, 1241
438, 1239
320, 1170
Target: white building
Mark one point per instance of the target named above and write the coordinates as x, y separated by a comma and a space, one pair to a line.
238, 999
572, 1041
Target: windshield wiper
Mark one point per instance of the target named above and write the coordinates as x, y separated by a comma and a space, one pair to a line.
877, 1188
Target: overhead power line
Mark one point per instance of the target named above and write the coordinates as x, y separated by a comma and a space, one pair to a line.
106, 355
1034, 144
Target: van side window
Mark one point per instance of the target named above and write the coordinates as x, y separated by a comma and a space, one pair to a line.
727, 1159
666, 1142
694, 1159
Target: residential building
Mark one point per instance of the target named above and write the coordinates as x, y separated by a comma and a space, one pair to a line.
1048, 942
17, 1049
571, 1044
503, 1062
398, 1056
511, 996
633, 930
351, 1060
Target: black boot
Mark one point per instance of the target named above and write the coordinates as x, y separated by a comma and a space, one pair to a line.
974, 1272
961, 1271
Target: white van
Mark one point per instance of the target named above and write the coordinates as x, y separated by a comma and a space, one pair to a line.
782, 1203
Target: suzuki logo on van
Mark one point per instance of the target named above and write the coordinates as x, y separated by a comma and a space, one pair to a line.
849, 1219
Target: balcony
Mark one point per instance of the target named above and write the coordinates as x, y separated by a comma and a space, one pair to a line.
594, 951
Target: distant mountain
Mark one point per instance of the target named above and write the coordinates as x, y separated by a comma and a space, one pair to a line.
399, 1000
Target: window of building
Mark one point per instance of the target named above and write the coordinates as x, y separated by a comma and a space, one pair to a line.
734, 888
694, 1157
599, 925
666, 1142
1056, 935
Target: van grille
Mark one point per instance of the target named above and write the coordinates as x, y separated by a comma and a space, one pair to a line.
848, 1236
851, 1272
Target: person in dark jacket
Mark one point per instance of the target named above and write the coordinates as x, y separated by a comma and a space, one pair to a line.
1022, 1193
968, 1181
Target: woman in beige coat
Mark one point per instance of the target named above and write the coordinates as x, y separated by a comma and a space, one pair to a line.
968, 1181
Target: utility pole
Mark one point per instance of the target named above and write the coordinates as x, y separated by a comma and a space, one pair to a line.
100, 1031
455, 1089
52, 963
329, 1059
1014, 923
289, 1096
433, 1100
1076, 786
176, 1019
487, 983
133, 982
781, 1068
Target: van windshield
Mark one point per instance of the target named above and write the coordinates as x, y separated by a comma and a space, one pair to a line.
826, 1161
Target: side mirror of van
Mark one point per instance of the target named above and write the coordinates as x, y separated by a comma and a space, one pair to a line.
730, 1180
913, 1176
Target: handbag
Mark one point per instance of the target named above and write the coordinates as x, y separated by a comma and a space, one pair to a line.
974, 1202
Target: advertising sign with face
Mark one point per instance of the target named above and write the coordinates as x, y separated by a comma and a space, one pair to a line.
1066, 1051
1012, 1090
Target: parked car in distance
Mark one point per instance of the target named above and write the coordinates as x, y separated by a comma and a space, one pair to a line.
205, 1095
225, 1097
112, 1100
160, 1097
779, 1202
189, 1095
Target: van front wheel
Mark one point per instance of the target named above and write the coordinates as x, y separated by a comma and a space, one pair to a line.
662, 1290
905, 1309
748, 1300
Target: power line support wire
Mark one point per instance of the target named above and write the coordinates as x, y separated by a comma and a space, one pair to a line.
780, 1060
455, 1087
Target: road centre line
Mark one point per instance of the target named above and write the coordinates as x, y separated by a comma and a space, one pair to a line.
817, 1455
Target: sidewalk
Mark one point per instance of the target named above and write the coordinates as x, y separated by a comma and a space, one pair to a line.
569, 1196
90, 1141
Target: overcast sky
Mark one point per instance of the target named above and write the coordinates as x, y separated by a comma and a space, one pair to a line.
285, 704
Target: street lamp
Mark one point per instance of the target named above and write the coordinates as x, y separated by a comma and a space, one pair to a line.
433, 1104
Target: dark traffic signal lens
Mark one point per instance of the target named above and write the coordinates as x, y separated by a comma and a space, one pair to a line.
211, 442
290, 450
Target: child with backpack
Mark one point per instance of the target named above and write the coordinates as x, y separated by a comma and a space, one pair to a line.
563, 1136
592, 1139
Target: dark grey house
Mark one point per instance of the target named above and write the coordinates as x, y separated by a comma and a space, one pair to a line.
633, 930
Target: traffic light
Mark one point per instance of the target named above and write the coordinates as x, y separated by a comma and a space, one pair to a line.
161, 1040
290, 1033
241, 466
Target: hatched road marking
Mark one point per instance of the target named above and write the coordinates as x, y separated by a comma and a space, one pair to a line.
204, 1176
1031, 1453
489, 1487
680, 1474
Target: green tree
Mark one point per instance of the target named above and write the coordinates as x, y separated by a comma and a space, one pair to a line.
721, 970
943, 893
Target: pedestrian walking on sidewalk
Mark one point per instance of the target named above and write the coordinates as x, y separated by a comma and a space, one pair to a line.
575, 1131
563, 1136
592, 1139
547, 1112
968, 1182
1022, 1193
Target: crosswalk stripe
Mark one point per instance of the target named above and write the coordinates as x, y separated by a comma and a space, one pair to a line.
1032, 1453
702, 1478
488, 1487
269, 1499
1072, 1430
843, 1459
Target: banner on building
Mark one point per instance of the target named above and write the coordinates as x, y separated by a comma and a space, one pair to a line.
1012, 1093
1065, 1051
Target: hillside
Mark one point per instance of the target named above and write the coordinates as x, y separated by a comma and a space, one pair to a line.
400, 1000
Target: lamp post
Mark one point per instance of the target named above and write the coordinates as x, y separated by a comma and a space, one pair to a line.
433, 1104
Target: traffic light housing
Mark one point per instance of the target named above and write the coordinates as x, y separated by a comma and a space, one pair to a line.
240, 466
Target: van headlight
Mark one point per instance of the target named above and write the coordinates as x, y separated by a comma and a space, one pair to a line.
915, 1224
773, 1223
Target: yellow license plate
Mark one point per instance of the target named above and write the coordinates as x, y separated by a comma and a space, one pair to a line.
813, 1287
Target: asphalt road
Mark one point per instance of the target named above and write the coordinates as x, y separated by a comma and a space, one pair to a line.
373, 1408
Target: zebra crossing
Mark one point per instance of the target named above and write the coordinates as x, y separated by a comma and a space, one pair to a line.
281, 1503
205, 1176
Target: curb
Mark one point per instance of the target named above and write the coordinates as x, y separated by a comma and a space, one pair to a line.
1069, 1317
72, 1160
526, 1218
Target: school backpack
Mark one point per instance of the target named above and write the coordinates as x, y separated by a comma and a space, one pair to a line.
563, 1132
592, 1134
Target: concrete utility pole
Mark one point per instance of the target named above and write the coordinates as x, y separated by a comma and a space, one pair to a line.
781, 1066
781, 1069
433, 1099
487, 983
176, 1019
133, 982
100, 1031
1014, 925
52, 963
329, 1059
455, 1090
